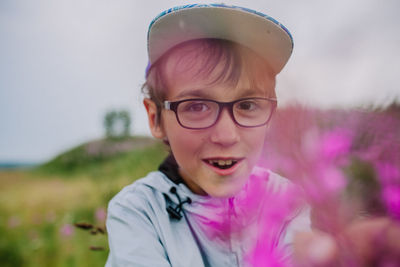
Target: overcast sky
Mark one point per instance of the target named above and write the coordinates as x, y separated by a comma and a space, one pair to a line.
64, 63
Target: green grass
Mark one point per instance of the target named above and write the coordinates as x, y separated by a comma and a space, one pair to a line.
39, 207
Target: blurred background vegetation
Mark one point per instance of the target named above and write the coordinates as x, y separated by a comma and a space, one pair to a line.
40, 206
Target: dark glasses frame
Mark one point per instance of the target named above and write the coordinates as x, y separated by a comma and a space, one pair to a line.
173, 105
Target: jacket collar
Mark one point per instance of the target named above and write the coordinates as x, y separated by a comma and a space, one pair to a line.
169, 167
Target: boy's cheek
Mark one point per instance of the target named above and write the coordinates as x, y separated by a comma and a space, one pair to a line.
256, 141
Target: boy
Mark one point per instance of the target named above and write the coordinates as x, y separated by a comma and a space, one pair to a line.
210, 92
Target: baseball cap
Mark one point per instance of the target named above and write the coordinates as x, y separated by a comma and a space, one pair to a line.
250, 28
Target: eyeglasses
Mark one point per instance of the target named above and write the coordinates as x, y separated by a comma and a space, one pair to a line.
204, 113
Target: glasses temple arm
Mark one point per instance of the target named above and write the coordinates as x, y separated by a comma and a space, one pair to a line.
167, 105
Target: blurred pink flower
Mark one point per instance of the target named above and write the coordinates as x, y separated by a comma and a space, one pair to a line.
323, 183
313, 148
335, 144
265, 256
278, 208
391, 198
101, 215
66, 230
257, 214
388, 173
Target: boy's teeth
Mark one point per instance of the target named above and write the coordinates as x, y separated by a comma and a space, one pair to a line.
221, 162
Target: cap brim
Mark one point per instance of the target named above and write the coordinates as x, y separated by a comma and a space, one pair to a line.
259, 32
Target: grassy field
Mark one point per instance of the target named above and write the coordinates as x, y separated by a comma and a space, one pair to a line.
39, 207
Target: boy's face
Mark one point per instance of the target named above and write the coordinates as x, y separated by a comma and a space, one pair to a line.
225, 141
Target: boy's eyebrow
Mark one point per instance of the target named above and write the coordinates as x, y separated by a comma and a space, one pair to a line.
256, 92
250, 92
193, 93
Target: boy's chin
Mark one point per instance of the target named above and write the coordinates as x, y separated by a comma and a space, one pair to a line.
226, 191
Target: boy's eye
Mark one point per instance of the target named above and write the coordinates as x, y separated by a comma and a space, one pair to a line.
195, 107
247, 105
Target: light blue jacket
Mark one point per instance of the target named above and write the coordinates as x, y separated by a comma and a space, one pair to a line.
142, 233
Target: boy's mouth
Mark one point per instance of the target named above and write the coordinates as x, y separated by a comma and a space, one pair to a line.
222, 163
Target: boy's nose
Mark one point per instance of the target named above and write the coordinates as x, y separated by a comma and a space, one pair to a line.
225, 131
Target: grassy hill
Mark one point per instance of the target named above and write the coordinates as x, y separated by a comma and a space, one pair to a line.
107, 158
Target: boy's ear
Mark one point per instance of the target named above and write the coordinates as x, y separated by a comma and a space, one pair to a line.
154, 122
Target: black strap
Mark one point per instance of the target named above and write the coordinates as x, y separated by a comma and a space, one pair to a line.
175, 212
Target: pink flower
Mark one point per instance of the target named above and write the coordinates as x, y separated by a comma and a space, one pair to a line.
391, 198
101, 215
66, 230
257, 214
388, 173
336, 143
